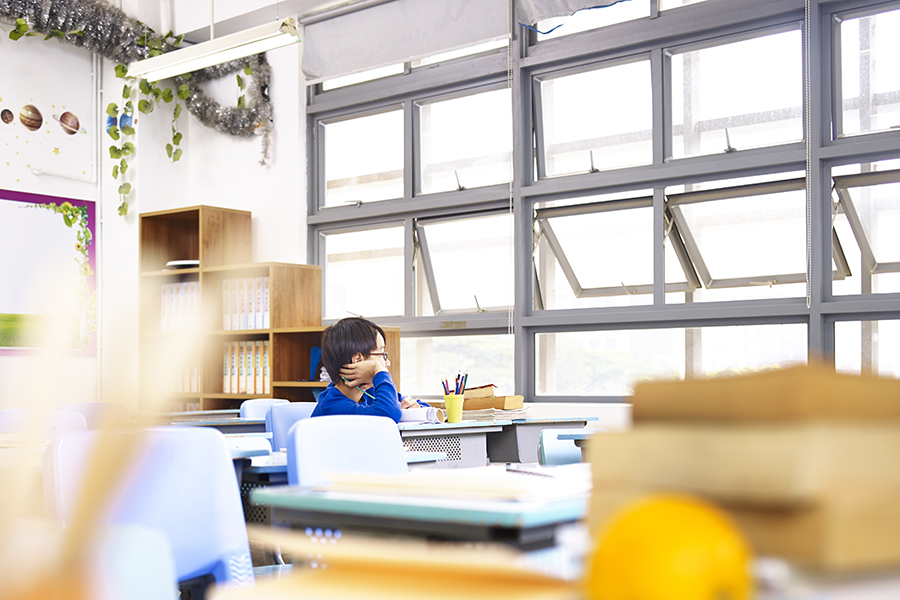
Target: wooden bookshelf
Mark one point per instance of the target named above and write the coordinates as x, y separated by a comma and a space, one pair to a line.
220, 240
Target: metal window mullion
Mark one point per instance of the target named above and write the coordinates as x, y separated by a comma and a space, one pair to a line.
593, 207
323, 259
320, 167
409, 268
537, 112
741, 191
833, 80
411, 146
661, 92
659, 247
429, 269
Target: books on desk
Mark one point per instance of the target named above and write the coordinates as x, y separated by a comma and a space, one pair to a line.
495, 414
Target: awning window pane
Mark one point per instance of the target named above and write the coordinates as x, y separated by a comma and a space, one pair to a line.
595, 18
425, 361
364, 273
670, 4
751, 88
471, 260
466, 142
870, 72
600, 119
364, 159
867, 347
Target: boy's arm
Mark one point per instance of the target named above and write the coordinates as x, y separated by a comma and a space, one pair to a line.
382, 399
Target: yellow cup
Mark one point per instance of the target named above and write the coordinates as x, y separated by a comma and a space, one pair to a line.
453, 405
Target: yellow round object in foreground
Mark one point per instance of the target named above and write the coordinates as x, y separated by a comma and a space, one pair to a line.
670, 547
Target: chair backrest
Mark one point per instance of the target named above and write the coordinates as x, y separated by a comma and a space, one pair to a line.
98, 414
554, 451
280, 417
343, 444
49, 423
256, 408
180, 480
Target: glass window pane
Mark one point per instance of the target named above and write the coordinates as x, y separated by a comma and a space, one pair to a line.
472, 262
466, 142
752, 89
867, 347
595, 18
610, 363
425, 361
670, 4
871, 232
870, 72
344, 81
364, 273
589, 121
364, 159
747, 245
467, 51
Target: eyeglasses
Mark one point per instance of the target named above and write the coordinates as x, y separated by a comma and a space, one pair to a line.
381, 354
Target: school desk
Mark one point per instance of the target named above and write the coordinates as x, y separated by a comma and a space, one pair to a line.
465, 443
581, 439
526, 524
518, 442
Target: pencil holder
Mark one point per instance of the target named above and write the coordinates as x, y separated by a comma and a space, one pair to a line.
453, 405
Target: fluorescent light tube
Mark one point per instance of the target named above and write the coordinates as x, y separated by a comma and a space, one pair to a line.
214, 52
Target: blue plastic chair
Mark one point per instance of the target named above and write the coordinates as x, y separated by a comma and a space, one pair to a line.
51, 423
343, 444
257, 407
554, 451
280, 417
100, 414
181, 481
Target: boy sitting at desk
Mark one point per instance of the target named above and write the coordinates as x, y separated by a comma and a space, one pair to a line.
354, 356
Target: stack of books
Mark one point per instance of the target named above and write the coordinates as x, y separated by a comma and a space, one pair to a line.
804, 459
480, 404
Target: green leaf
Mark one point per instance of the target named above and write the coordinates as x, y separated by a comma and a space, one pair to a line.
112, 109
169, 34
127, 149
21, 26
184, 92
240, 103
114, 152
127, 130
157, 93
248, 70
67, 220
153, 53
126, 91
167, 95
142, 41
115, 171
145, 86
186, 76
114, 132
155, 43
145, 106
240, 81
125, 189
123, 166
177, 111
121, 71
77, 32
176, 139
15, 35
169, 150
123, 209
178, 41
177, 155
129, 108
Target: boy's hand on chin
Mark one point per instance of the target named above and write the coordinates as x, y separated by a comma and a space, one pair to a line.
408, 403
361, 373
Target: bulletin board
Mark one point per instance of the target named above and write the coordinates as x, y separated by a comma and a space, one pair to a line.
48, 289
48, 112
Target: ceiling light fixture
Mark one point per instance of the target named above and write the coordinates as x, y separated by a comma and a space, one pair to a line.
216, 51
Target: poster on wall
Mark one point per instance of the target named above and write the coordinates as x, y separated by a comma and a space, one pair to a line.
47, 112
48, 290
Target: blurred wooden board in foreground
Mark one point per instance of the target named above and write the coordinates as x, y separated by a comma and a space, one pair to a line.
800, 392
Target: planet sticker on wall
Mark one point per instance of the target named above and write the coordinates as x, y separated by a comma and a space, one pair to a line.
7, 116
31, 117
69, 123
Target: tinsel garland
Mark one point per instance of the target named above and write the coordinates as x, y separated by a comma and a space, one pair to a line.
111, 33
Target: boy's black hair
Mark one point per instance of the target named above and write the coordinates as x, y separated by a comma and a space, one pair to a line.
343, 340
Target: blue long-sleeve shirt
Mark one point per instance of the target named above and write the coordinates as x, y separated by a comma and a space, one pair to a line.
386, 402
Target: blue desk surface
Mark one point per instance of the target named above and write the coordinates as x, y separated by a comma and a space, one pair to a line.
473, 426
576, 435
487, 513
412, 457
551, 420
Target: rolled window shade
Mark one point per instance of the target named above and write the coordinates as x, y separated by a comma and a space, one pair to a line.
398, 31
532, 11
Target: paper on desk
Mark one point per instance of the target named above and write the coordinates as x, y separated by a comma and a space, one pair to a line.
488, 483
496, 414
422, 415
